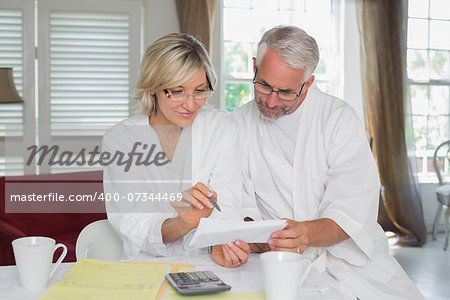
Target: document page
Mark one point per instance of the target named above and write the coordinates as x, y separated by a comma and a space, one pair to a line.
212, 232
93, 279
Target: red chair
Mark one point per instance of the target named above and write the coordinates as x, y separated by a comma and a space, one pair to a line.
60, 220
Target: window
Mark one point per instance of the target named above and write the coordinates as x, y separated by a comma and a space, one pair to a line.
17, 39
429, 78
89, 70
318, 17
84, 59
11, 49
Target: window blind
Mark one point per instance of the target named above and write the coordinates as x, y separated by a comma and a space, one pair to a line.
89, 72
11, 55
11, 166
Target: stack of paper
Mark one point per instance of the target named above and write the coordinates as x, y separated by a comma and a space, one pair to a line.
173, 295
93, 279
212, 232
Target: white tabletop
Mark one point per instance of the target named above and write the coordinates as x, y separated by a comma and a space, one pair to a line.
244, 279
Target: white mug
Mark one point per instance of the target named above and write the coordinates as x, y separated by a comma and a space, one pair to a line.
284, 273
34, 257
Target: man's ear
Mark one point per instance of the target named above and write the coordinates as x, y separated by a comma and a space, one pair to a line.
308, 83
310, 80
254, 65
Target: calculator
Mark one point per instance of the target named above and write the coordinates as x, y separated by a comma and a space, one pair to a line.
195, 283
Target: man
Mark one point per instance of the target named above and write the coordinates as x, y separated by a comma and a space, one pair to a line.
307, 160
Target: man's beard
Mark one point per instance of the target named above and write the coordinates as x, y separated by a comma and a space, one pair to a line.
268, 115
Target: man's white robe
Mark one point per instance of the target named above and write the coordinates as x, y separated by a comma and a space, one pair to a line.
332, 174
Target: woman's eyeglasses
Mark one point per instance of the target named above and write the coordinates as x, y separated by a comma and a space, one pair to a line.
181, 95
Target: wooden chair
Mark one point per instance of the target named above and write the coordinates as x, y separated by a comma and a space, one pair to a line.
443, 191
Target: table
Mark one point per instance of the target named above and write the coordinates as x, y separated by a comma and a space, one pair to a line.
244, 279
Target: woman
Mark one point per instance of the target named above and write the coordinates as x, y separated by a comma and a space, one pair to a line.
200, 147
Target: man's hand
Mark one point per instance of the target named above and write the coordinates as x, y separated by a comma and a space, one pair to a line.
292, 238
259, 247
298, 236
231, 255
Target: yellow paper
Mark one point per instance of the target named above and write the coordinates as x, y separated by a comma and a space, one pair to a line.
165, 285
176, 267
172, 294
93, 279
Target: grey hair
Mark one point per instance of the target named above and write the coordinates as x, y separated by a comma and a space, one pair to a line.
298, 49
168, 62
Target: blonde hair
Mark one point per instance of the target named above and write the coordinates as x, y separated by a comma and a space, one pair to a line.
298, 49
169, 62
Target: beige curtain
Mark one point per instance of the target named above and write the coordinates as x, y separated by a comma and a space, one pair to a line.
383, 65
196, 17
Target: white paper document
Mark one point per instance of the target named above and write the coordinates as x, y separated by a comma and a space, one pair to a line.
314, 283
212, 232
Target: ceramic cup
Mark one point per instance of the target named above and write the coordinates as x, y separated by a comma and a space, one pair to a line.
34, 257
284, 273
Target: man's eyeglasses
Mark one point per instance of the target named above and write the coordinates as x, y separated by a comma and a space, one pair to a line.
180, 95
268, 90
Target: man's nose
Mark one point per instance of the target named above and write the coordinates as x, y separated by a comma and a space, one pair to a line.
273, 100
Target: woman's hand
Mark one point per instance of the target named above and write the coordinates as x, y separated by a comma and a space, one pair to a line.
194, 205
231, 255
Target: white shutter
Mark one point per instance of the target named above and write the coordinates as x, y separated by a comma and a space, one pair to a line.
89, 54
17, 124
89, 71
88, 59
11, 166
11, 55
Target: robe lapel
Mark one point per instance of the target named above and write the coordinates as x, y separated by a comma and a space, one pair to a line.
273, 173
299, 191
304, 207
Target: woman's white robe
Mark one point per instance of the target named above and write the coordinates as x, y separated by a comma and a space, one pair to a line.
207, 152
332, 175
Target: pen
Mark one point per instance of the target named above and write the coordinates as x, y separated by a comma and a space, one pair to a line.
211, 199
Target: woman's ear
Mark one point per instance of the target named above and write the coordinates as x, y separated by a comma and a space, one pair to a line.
154, 96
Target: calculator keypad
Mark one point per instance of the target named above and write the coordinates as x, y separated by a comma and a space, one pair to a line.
199, 282
192, 278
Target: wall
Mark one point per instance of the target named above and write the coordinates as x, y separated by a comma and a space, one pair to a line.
430, 205
351, 55
160, 19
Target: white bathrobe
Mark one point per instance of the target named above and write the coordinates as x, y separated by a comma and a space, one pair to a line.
316, 163
207, 152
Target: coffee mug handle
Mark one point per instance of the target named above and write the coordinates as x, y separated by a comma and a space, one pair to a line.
308, 268
60, 259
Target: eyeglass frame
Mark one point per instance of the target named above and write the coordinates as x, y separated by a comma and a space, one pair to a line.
209, 92
274, 91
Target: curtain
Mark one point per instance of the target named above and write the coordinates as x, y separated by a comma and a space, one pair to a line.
196, 18
383, 66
